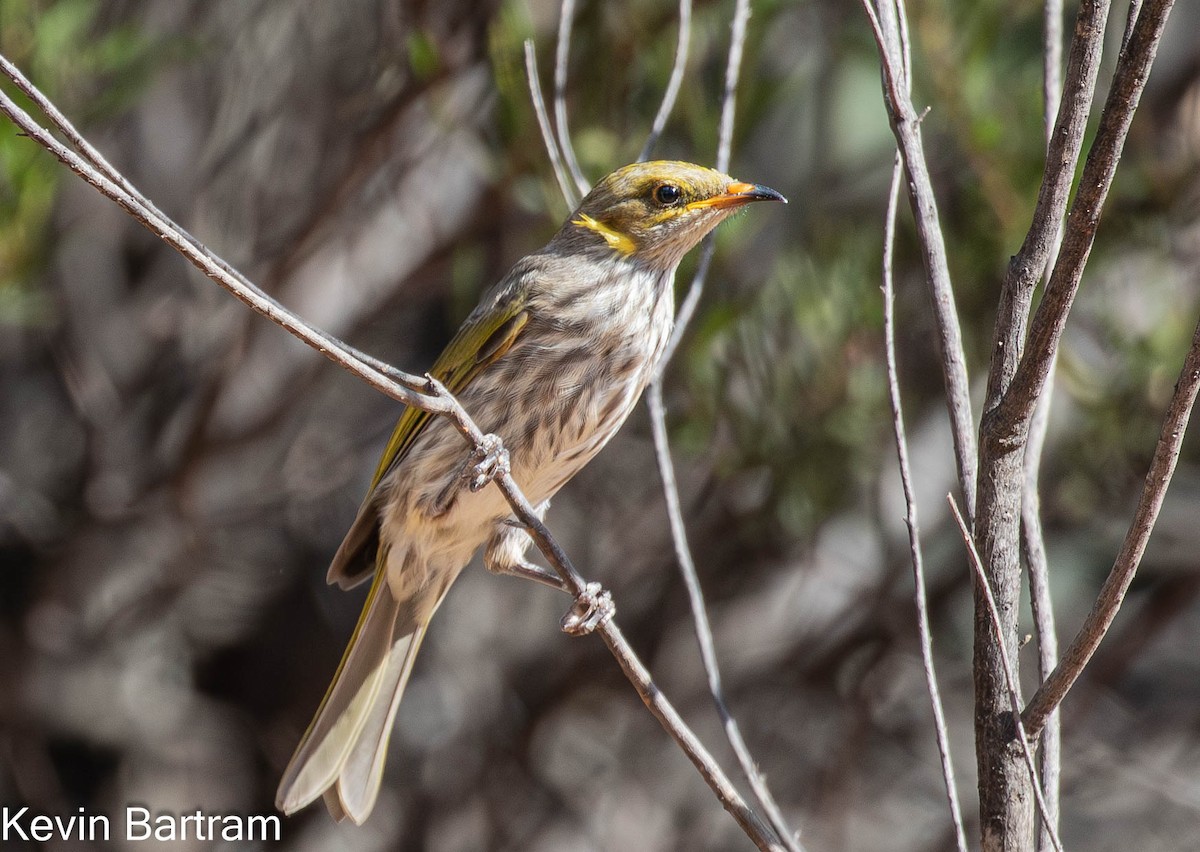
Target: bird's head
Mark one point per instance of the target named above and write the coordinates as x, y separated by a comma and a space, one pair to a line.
655, 212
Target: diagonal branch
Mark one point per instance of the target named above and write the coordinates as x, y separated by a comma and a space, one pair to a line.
426, 394
1062, 155
1051, 693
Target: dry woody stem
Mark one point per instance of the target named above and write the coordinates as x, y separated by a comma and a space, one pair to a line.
997, 478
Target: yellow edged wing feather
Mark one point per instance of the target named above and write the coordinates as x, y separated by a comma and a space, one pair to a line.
489, 332
476, 345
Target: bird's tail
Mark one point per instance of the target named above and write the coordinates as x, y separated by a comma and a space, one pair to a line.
342, 753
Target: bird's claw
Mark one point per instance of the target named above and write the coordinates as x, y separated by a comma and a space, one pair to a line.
490, 459
591, 609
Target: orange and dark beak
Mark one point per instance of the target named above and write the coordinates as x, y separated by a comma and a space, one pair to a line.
737, 194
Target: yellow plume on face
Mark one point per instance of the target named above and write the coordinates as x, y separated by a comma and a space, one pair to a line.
622, 243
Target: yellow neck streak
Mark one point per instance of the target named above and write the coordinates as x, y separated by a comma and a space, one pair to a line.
619, 242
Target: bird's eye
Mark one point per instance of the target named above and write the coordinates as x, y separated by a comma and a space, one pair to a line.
667, 194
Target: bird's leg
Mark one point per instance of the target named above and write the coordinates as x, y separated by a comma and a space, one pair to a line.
505, 553
591, 609
487, 461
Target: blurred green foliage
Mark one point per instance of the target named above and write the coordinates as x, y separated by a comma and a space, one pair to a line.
89, 70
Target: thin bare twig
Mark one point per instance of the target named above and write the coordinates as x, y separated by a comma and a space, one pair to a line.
1162, 467
1040, 602
920, 600
708, 651
1032, 538
654, 401
565, 19
889, 34
426, 394
985, 588
565, 184
93, 156
733, 71
1052, 82
675, 81
910, 502
1131, 16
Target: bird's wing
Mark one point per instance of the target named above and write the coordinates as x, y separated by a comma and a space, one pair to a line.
490, 331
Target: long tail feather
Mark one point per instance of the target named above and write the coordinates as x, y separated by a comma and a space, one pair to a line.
362, 773
355, 716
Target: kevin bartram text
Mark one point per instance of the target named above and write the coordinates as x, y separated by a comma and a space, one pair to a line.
136, 823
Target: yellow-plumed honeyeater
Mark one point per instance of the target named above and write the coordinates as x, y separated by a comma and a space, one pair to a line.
552, 361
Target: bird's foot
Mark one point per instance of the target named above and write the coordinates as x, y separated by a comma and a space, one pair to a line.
489, 459
591, 609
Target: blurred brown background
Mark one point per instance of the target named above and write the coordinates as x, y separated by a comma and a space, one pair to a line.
175, 472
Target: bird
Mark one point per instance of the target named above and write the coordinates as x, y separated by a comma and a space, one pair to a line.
551, 362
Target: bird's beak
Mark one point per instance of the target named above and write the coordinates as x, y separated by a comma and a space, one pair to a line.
737, 194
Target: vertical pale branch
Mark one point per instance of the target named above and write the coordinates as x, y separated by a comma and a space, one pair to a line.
565, 184
1042, 605
654, 401
1033, 544
889, 36
910, 502
920, 600
675, 81
733, 70
708, 651
654, 394
565, 19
